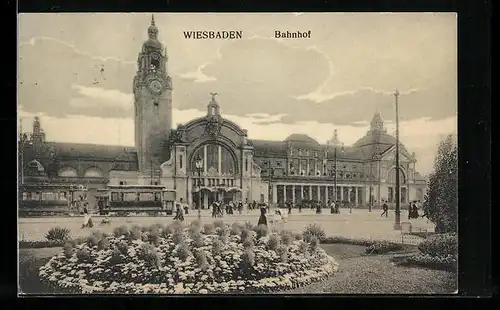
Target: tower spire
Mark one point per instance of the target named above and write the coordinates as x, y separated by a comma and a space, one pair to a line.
152, 20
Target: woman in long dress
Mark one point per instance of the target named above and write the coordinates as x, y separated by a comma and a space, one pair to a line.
262, 218
87, 221
179, 213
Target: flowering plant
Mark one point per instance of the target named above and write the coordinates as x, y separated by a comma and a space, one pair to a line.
197, 263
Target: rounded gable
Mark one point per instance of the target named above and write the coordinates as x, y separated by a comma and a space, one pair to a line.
301, 138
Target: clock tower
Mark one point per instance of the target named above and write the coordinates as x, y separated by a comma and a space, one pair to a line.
152, 105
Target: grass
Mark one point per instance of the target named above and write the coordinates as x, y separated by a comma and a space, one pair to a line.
358, 274
30, 260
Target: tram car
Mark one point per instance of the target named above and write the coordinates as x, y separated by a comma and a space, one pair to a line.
45, 199
125, 199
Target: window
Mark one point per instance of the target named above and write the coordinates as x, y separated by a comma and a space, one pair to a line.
390, 194
156, 104
246, 164
180, 161
122, 182
315, 154
403, 195
278, 163
354, 167
115, 196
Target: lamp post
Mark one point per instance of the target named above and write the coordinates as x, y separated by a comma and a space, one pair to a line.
335, 169
397, 223
199, 167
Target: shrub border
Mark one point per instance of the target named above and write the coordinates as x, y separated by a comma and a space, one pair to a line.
403, 261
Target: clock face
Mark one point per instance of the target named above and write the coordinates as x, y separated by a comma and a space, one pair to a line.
156, 86
155, 56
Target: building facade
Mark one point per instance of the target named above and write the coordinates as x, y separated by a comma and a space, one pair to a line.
212, 158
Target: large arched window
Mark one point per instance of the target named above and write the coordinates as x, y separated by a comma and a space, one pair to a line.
34, 168
93, 172
67, 172
391, 176
218, 158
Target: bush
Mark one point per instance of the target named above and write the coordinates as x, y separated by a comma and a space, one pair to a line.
68, 249
23, 244
282, 251
344, 240
103, 244
208, 229
314, 242
121, 231
441, 199
286, 237
122, 246
297, 236
197, 240
201, 259
154, 237
174, 227
157, 227
247, 259
183, 251
116, 257
222, 234
178, 236
314, 230
448, 263
248, 225
83, 256
236, 229
273, 242
303, 247
58, 234
149, 255
217, 247
245, 234
196, 223
193, 230
261, 230
135, 233
383, 247
219, 224
440, 245
248, 243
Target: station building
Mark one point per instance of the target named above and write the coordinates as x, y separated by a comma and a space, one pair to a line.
211, 157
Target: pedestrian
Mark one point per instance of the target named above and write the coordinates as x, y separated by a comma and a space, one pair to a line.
262, 218
290, 207
385, 207
332, 207
87, 219
179, 215
415, 211
410, 210
240, 207
300, 207
318, 208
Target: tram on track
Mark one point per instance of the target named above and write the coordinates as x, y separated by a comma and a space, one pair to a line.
45, 199
125, 199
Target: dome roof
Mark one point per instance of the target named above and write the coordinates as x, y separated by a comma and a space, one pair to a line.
151, 43
375, 138
301, 138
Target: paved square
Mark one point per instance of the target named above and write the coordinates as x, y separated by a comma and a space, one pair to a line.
359, 224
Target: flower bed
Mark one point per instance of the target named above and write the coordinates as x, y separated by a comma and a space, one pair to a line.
177, 260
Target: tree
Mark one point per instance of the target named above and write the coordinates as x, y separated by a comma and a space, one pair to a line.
441, 199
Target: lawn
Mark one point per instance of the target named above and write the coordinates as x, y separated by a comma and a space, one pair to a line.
358, 274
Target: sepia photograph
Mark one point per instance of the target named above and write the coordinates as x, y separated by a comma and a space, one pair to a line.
237, 153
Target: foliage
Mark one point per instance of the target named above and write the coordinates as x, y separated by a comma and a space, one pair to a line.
314, 242
344, 240
273, 242
286, 237
422, 234
58, 234
208, 229
217, 246
448, 263
68, 249
441, 200
219, 224
135, 266
149, 255
440, 245
83, 256
196, 223
135, 233
261, 230
236, 228
313, 230
248, 225
178, 237
121, 231
154, 236
248, 243
103, 244
245, 234
383, 247
23, 244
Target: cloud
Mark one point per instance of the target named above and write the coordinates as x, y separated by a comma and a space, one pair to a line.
342, 85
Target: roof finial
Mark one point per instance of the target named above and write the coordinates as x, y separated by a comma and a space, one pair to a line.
213, 96
152, 19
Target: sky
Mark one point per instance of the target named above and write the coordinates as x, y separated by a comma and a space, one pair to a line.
337, 79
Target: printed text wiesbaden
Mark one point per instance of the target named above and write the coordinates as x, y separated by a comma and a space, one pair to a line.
213, 35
